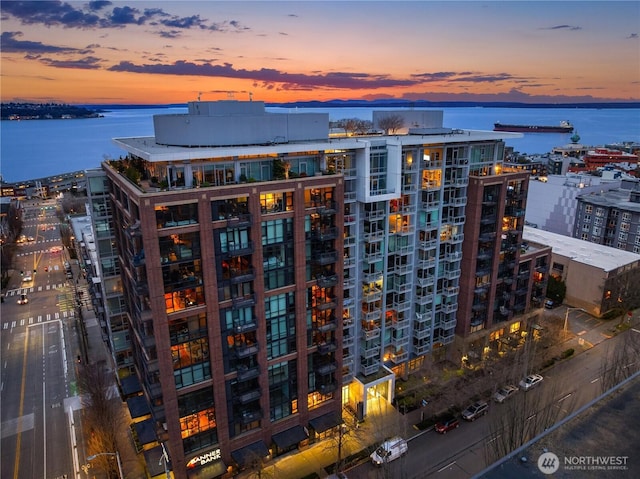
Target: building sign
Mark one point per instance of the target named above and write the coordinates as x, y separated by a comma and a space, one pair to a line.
205, 458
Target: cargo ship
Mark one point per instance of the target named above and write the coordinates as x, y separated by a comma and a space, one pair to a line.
563, 127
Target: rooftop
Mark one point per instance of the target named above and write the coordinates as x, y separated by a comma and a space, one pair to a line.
599, 256
616, 197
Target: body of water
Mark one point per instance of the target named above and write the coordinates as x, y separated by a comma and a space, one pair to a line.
38, 148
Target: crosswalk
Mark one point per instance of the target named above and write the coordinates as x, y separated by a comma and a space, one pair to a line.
32, 289
41, 318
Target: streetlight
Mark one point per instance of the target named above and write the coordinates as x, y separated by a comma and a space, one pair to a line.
566, 318
117, 454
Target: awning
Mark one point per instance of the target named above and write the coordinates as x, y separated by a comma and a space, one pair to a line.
246, 455
146, 431
138, 406
325, 422
289, 437
130, 386
155, 462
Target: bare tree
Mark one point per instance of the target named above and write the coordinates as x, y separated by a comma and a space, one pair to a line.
391, 123
523, 417
619, 362
102, 416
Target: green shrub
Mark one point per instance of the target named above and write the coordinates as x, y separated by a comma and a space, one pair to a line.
567, 353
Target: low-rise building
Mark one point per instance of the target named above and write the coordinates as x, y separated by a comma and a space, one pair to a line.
598, 278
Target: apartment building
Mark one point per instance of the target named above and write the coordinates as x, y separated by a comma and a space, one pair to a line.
611, 217
274, 275
503, 279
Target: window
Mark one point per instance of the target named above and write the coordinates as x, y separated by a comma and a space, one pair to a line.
624, 227
622, 236
626, 216
596, 231
281, 330
176, 215
191, 362
585, 227
197, 420
588, 209
283, 390
585, 236
587, 218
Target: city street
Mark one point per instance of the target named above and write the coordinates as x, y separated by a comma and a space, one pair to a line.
39, 348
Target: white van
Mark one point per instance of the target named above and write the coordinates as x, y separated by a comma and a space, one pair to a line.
389, 450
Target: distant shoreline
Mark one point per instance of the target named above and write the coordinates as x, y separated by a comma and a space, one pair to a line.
394, 104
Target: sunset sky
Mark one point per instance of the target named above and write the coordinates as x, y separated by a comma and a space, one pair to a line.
159, 52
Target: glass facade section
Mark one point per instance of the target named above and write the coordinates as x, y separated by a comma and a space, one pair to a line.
283, 390
176, 215
198, 426
281, 330
278, 258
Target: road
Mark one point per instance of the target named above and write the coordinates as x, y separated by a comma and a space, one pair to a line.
38, 350
461, 453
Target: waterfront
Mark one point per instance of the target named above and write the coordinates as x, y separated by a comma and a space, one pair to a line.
40, 148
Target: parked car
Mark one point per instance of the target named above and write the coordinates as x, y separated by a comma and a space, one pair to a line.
447, 424
27, 278
337, 475
530, 381
550, 304
477, 409
23, 299
504, 393
389, 450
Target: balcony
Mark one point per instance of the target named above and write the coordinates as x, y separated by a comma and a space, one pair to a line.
369, 369
327, 388
249, 416
324, 234
372, 296
325, 368
325, 304
325, 258
424, 298
245, 373
238, 249
243, 301
450, 308
245, 327
373, 277
421, 349
371, 352
242, 275
327, 347
327, 281
370, 331
246, 350
428, 281
327, 208
371, 316
248, 396
373, 257
239, 221
375, 215
451, 290
373, 235
428, 244
423, 317
400, 357
329, 325
420, 334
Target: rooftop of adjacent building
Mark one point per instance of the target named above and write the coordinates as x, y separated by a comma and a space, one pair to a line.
596, 255
620, 198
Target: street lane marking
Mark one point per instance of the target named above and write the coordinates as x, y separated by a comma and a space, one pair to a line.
565, 397
445, 467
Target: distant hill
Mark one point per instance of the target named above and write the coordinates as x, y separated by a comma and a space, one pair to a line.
396, 103
45, 111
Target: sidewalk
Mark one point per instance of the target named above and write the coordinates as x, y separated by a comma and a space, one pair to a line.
96, 353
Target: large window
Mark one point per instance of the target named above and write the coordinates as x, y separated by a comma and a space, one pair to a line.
283, 387
176, 215
278, 259
191, 362
179, 247
281, 331
197, 420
